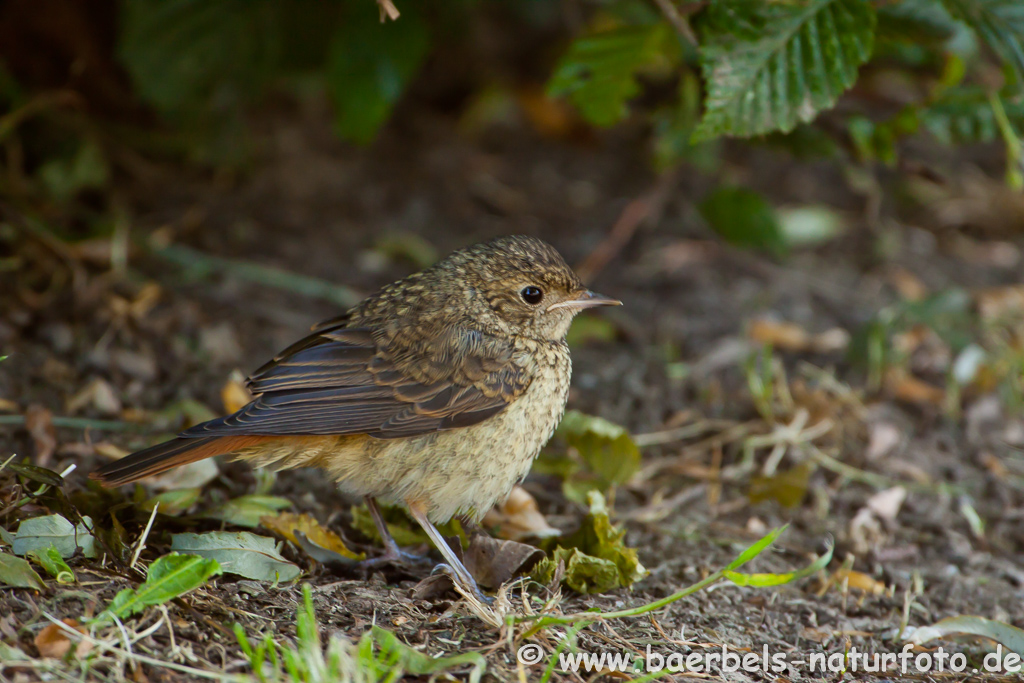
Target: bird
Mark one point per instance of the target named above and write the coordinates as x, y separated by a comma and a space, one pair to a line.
436, 393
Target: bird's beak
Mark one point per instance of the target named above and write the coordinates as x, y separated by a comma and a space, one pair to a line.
586, 299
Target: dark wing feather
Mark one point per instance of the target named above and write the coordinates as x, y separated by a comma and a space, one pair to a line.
355, 381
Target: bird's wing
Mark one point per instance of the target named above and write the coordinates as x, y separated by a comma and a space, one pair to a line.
384, 384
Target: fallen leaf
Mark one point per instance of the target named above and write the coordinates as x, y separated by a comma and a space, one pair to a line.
233, 395
907, 285
883, 438
858, 581
240, 552
788, 488
53, 641
518, 518
791, 337
248, 510
39, 424
493, 561
606, 448
905, 387
589, 553
1000, 302
286, 524
168, 577
18, 573
50, 560
98, 395
193, 475
886, 504
172, 503
1009, 636
42, 532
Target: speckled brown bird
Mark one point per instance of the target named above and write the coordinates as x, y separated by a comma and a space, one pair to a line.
436, 392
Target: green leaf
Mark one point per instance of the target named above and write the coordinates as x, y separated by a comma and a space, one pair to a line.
916, 22
40, 475
64, 178
18, 573
598, 72
763, 580
787, 488
757, 548
418, 664
744, 218
999, 23
173, 502
583, 573
369, 66
247, 510
606, 448
1009, 636
189, 56
771, 65
50, 560
169, 577
964, 115
242, 553
42, 532
596, 557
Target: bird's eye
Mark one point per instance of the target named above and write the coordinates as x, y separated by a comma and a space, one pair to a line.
531, 295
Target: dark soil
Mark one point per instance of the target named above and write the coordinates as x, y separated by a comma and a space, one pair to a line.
312, 206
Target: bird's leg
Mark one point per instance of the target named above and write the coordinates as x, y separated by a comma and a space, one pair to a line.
392, 553
453, 566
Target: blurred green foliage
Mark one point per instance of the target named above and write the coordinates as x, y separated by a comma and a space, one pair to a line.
691, 72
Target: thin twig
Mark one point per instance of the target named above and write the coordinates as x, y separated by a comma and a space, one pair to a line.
671, 13
79, 423
205, 264
632, 217
145, 535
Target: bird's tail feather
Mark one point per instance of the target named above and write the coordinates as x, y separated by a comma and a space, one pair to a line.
168, 455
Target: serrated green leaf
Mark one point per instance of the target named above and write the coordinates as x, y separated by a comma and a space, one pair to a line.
916, 21
771, 65
18, 573
583, 573
50, 560
598, 71
187, 55
606, 448
242, 553
999, 23
744, 218
963, 115
169, 577
247, 510
42, 532
370, 64
596, 557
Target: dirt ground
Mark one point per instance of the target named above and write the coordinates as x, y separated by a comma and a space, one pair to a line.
311, 206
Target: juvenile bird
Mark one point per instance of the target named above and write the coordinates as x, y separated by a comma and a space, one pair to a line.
437, 392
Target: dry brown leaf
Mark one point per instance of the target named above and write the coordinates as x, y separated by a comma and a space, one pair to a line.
907, 285
109, 450
518, 518
98, 395
39, 423
9, 406
494, 561
550, 117
54, 642
906, 387
886, 504
233, 395
792, 337
287, 523
781, 335
883, 438
1000, 302
858, 581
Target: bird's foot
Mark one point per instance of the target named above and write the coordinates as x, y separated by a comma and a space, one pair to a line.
394, 556
464, 581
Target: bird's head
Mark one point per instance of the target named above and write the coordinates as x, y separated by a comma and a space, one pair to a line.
527, 286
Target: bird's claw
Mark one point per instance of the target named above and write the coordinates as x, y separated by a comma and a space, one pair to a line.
468, 583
